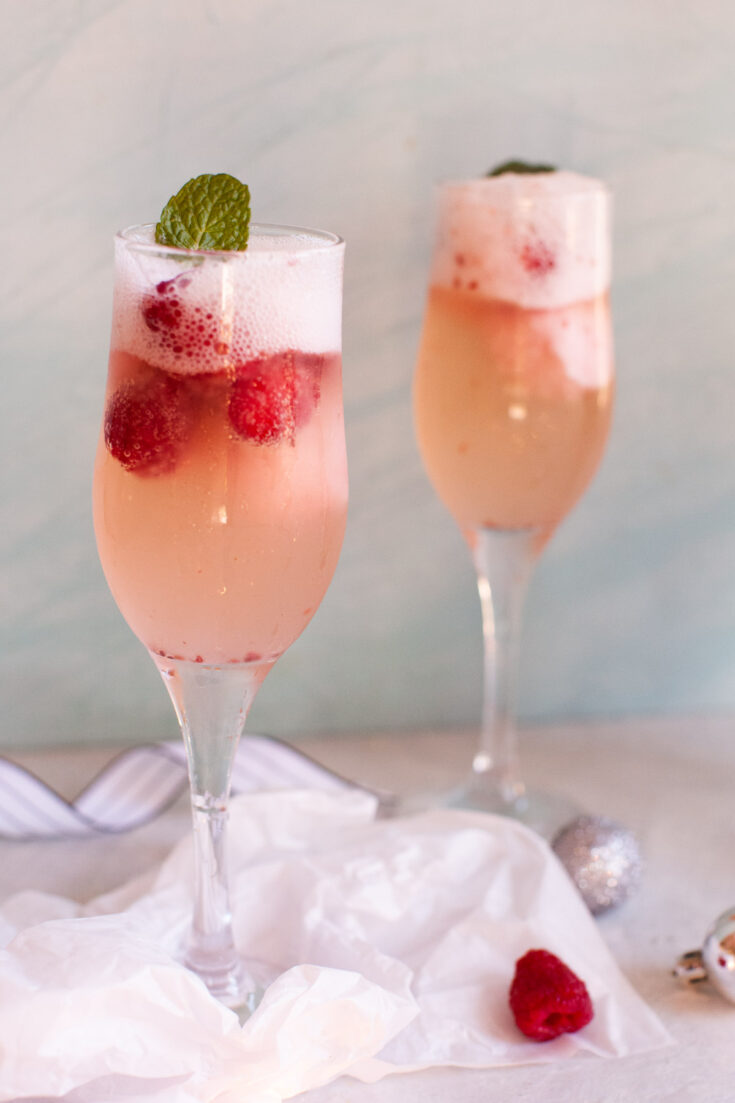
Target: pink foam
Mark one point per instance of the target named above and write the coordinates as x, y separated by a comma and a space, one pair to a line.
282, 292
541, 241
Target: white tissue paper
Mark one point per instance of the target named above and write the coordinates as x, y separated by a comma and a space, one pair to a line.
386, 946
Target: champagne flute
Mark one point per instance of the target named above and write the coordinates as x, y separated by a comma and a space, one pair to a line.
513, 396
220, 497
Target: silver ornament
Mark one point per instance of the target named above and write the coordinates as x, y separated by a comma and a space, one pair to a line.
715, 962
602, 858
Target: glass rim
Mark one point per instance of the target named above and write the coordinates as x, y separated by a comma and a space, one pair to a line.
326, 240
478, 184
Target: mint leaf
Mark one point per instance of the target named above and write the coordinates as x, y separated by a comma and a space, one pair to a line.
523, 168
209, 212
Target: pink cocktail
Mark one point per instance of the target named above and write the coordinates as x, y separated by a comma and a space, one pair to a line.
220, 491
513, 397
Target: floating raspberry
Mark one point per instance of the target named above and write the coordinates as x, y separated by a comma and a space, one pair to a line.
147, 423
537, 258
274, 395
183, 330
547, 998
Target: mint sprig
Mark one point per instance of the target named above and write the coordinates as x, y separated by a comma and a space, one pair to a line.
209, 212
522, 168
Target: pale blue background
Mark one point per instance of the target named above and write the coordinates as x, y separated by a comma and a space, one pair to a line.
342, 115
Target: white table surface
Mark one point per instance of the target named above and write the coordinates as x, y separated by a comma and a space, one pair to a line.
671, 780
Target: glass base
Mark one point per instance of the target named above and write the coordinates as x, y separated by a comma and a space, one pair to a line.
545, 813
230, 983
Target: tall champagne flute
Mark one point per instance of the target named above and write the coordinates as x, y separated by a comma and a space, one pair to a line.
220, 496
513, 396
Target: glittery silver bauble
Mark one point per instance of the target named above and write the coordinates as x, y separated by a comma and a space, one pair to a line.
715, 962
602, 858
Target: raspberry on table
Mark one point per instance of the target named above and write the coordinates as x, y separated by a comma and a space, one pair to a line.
274, 395
147, 423
547, 998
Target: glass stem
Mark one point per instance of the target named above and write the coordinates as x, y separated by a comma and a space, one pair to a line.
503, 561
212, 703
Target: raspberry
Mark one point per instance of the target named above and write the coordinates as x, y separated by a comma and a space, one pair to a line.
274, 395
537, 258
547, 998
182, 330
147, 422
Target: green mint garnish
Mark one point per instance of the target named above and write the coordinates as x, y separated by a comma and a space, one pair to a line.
523, 168
210, 212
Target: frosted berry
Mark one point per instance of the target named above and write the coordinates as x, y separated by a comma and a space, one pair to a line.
547, 998
537, 258
147, 423
182, 330
273, 396
161, 308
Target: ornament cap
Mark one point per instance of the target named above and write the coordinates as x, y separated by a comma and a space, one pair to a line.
715, 962
690, 967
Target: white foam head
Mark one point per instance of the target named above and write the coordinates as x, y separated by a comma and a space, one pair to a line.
283, 292
539, 240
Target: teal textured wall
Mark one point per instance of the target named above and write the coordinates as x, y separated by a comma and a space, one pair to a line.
346, 123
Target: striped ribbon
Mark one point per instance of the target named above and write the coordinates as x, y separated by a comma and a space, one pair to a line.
142, 782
